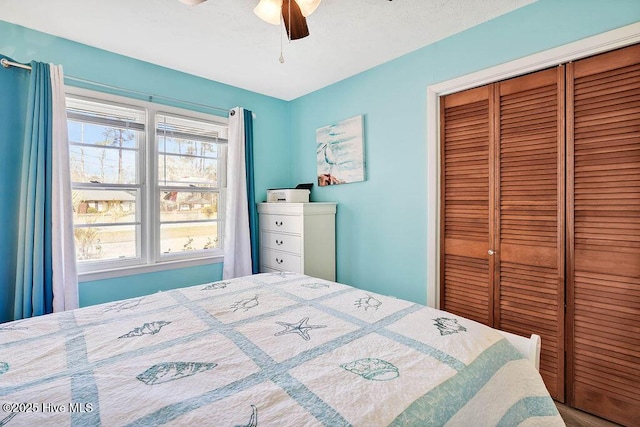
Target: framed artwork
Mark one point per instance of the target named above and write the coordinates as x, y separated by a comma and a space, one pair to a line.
340, 152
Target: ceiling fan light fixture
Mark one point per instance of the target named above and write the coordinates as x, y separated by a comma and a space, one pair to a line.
192, 2
269, 11
307, 7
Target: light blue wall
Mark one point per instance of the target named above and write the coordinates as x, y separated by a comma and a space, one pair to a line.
85, 62
100, 291
381, 223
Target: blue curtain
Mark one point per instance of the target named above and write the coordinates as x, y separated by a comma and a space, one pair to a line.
251, 191
33, 286
13, 103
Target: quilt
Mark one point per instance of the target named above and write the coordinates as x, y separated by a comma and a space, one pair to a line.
272, 349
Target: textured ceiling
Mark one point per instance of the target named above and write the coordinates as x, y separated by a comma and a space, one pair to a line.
223, 40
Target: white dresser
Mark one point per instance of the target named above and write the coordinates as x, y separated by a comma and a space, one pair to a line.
298, 237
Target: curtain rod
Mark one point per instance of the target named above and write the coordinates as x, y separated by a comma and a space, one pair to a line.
6, 64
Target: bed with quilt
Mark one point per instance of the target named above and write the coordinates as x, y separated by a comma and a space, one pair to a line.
272, 349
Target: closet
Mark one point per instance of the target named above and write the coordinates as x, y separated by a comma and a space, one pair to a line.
540, 222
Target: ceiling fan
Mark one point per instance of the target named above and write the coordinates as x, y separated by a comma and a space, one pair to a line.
293, 13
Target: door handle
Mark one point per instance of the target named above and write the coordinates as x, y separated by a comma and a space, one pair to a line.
491, 252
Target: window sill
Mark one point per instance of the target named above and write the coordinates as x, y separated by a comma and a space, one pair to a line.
147, 268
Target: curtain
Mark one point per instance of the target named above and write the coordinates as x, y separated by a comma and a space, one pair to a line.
41, 178
65, 276
14, 84
240, 231
251, 191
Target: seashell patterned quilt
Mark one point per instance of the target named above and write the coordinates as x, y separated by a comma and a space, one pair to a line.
273, 349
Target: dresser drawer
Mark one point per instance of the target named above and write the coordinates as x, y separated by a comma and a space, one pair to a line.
281, 223
281, 242
280, 260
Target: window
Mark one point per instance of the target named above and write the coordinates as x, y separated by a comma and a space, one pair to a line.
147, 185
189, 162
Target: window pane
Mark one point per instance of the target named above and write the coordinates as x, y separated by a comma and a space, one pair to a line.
103, 206
106, 165
187, 147
191, 129
179, 238
106, 243
86, 111
188, 206
101, 135
181, 170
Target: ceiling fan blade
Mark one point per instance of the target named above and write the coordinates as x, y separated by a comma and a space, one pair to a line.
294, 21
192, 2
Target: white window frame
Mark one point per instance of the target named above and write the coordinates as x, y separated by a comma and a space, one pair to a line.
222, 173
150, 259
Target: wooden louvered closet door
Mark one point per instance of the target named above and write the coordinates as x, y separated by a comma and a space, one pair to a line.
603, 124
502, 184
504, 172
467, 200
529, 246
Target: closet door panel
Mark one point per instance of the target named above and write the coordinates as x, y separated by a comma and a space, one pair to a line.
466, 270
603, 99
529, 282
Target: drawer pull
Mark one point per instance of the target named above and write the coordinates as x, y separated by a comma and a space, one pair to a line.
279, 242
278, 223
279, 261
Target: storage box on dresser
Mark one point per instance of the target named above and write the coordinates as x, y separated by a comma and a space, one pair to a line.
298, 237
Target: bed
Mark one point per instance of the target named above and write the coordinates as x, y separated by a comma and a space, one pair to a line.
272, 349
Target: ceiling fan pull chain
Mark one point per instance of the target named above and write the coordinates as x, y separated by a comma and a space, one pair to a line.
281, 59
290, 23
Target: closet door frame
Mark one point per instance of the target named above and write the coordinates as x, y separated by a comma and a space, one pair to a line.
600, 43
